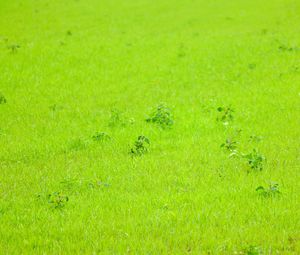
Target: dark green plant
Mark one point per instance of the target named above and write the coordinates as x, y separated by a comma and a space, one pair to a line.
161, 116
230, 144
288, 48
55, 107
255, 138
77, 144
101, 136
2, 99
140, 146
271, 191
2, 211
58, 200
70, 185
226, 114
252, 66
252, 250
182, 51
13, 47
98, 184
255, 160
116, 119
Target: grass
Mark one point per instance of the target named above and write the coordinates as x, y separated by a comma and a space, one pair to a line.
79, 79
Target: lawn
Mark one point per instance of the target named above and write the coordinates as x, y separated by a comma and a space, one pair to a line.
149, 127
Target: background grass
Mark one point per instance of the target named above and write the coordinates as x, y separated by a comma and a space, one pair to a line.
77, 60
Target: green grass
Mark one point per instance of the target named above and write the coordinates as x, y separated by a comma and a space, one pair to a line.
67, 188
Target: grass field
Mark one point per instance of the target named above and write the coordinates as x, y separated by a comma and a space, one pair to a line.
149, 127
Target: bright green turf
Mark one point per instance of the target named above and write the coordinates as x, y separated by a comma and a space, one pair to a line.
184, 196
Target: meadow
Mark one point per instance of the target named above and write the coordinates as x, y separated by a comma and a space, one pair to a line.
149, 127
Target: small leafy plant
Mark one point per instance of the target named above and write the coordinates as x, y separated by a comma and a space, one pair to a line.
230, 144
141, 146
252, 66
101, 136
116, 119
58, 200
181, 52
2, 211
70, 184
252, 250
161, 116
255, 160
255, 138
288, 48
13, 47
271, 191
77, 144
55, 107
98, 184
2, 99
226, 114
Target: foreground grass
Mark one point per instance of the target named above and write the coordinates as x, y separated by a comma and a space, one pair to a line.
70, 70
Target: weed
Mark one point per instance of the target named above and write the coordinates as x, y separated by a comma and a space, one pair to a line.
116, 119
97, 184
13, 47
131, 121
101, 136
271, 191
229, 144
295, 69
2, 99
55, 107
70, 184
252, 250
254, 138
226, 114
206, 107
161, 116
58, 200
237, 132
2, 211
264, 31
77, 145
255, 160
140, 146
288, 48
252, 66
181, 52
